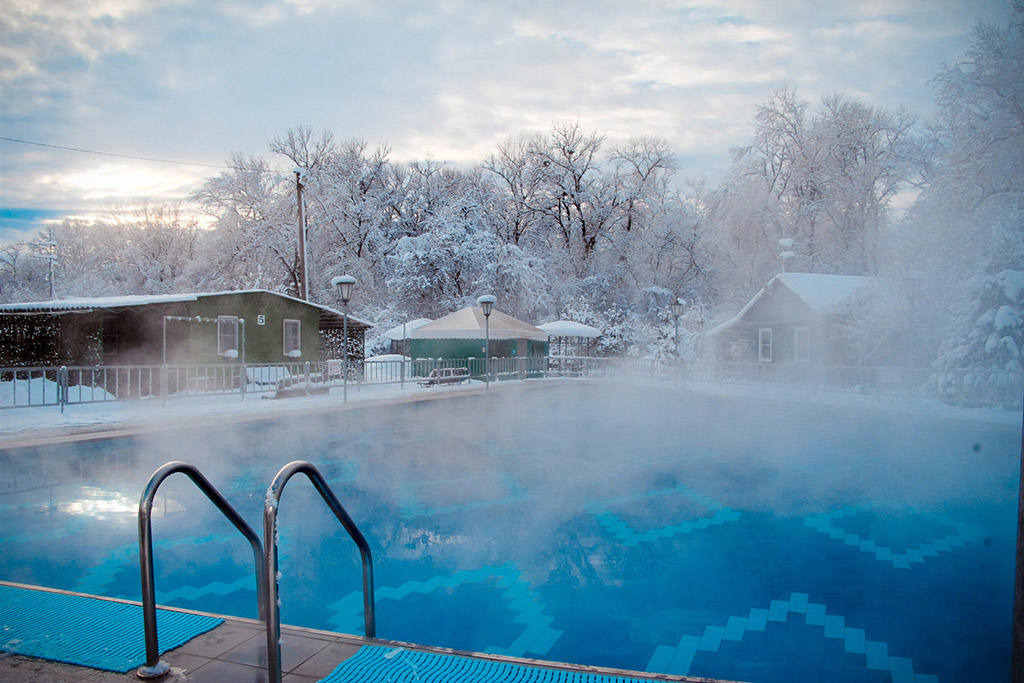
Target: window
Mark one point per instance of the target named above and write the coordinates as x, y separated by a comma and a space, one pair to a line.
836, 331
802, 344
292, 338
764, 345
112, 338
227, 336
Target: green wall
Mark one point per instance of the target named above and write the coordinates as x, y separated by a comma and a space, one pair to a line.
536, 349
263, 343
195, 343
134, 335
474, 348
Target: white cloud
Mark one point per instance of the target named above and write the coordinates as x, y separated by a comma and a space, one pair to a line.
195, 80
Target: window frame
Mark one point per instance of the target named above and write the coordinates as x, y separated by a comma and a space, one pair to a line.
222, 321
284, 337
761, 358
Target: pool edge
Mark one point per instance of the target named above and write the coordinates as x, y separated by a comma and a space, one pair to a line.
356, 640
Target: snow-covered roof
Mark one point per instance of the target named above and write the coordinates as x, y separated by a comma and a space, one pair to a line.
396, 332
824, 293
469, 323
84, 304
569, 328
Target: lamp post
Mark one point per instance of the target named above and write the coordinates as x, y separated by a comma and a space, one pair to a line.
676, 308
344, 284
486, 303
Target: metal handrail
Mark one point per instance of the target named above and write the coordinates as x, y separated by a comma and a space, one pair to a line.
154, 667
272, 612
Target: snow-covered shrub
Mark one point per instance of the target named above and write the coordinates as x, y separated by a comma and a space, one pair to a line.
980, 362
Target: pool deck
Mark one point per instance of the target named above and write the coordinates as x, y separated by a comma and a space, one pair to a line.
146, 417
236, 651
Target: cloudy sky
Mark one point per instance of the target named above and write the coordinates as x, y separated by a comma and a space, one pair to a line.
196, 80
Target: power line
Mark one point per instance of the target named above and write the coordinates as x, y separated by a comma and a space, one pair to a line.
114, 154
111, 154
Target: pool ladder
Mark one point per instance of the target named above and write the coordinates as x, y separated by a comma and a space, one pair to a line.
265, 556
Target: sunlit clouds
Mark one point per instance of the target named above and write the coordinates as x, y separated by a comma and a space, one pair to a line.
197, 81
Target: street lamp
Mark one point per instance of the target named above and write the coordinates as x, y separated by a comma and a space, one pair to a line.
486, 303
344, 284
676, 308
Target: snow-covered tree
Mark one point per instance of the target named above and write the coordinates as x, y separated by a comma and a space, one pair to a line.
965, 233
254, 244
825, 178
981, 360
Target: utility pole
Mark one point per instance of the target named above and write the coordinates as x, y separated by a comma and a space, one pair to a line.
48, 250
303, 278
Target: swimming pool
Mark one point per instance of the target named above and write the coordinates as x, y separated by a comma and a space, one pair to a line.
625, 526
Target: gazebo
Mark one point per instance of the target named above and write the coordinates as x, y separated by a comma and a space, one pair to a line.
399, 335
570, 338
462, 335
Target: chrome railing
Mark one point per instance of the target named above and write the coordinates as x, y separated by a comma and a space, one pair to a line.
154, 668
272, 615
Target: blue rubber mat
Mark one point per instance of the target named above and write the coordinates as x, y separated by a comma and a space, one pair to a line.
395, 664
96, 633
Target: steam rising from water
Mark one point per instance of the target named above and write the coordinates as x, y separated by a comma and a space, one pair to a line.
520, 477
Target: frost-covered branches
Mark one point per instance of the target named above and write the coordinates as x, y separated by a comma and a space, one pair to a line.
824, 177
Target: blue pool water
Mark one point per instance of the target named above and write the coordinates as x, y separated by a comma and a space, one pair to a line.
636, 528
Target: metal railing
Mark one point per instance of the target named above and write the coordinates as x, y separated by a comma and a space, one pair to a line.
66, 385
961, 386
153, 667
272, 615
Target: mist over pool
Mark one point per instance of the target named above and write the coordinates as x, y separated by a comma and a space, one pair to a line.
630, 526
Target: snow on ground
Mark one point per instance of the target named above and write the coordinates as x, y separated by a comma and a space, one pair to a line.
21, 422
39, 389
35, 422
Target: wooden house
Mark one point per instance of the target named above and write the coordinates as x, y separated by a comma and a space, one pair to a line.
253, 326
818, 319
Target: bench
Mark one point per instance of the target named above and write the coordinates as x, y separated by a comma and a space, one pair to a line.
445, 376
300, 390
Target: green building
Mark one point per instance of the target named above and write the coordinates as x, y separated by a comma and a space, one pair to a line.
254, 326
462, 334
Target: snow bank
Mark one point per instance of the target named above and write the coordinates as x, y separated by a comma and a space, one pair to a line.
40, 391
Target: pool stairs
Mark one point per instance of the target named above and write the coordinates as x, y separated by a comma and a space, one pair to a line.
265, 556
374, 660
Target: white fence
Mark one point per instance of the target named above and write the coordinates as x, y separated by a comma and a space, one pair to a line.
65, 385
